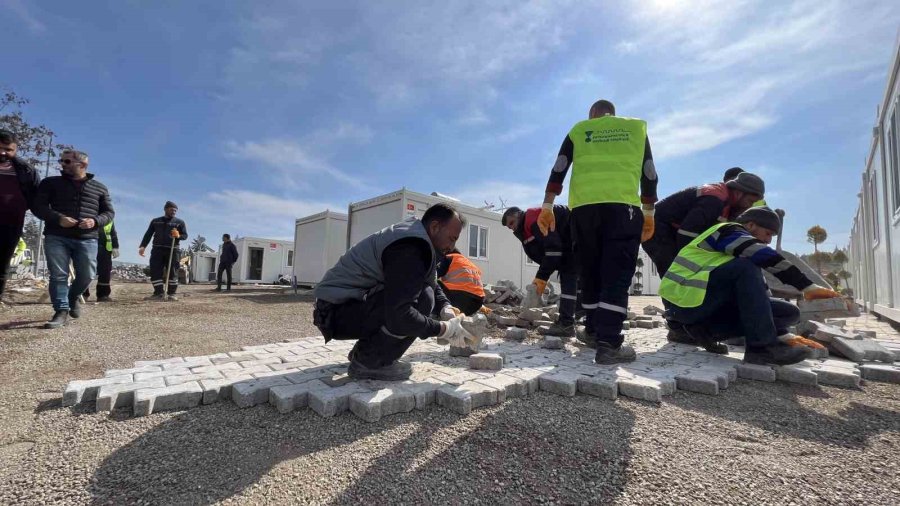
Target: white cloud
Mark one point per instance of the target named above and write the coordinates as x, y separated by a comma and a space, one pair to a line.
20, 9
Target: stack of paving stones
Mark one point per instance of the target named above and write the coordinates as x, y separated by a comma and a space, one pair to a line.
307, 373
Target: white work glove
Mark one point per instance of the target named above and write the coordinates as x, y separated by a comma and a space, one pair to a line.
115, 253
449, 312
454, 334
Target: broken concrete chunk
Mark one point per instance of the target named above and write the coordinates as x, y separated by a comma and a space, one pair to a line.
862, 350
552, 343
516, 334
653, 310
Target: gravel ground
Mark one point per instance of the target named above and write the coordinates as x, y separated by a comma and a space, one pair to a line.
755, 443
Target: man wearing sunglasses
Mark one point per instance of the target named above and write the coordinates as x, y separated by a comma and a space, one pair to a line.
18, 184
74, 206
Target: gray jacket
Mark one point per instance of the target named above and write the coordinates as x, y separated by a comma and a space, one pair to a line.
359, 272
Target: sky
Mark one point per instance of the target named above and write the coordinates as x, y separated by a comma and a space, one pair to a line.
249, 115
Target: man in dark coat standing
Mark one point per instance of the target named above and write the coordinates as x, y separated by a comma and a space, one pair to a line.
226, 261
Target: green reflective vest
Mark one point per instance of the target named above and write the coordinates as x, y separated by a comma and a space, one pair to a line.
20, 247
608, 160
684, 284
760, 203
107, 231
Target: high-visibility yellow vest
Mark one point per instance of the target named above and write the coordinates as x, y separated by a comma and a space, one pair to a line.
20, 247
684, 284
608, 160
107, 231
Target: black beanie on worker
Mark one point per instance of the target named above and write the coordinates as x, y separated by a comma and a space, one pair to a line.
169, 204
509, 212
762, 216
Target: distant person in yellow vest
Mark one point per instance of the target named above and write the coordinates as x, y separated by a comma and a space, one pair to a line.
107, 250
611, 163
461, 281
715, 289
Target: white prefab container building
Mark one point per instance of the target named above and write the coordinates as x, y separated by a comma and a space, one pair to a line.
203, 266
262, 260
319, 241
874, 249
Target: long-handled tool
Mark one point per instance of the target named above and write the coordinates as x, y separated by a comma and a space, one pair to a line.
168, 271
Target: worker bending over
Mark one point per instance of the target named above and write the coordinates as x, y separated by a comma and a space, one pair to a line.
553, 253
611, 161
715, 287
383, 292
460, 280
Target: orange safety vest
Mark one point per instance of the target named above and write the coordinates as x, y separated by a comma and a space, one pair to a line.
463, 276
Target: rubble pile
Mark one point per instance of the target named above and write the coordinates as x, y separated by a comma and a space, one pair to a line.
130, 272
519, 320
857, 346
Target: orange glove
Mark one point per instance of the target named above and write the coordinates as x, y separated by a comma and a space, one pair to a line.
174, 233
792, 340
814, 292
539, 286
649, 224
485, 310
547, 220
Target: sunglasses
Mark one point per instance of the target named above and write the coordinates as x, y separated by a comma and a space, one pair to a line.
65, 161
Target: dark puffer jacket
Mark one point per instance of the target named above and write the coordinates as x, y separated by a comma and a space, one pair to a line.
59, 196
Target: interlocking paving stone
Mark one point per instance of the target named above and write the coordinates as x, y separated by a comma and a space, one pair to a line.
301, 373
486, 361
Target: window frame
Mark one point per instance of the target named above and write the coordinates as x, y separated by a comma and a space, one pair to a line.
479, 247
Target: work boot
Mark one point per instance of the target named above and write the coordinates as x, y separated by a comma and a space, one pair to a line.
777, 354
172, 297
677, 334
217, 289
559, 330
74, 308
155, 296
607, 355
586, 336
59, 319
104, 299
398, 371
703, 337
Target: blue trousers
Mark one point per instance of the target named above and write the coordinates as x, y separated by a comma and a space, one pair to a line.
737, 304
82, 253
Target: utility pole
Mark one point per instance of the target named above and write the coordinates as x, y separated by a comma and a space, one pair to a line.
37, 259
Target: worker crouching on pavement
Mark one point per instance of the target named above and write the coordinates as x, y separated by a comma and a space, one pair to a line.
553, 253
716, 290
166, 232
460, 279
383, 292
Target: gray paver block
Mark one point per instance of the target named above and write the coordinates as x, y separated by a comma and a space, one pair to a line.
423, 391
508, 386
880, 372
243, 371
231, 366
251, 393
371, 406
701, 384
144, 376
561, 383
177, 380
466, 397
530, 375
640, 388
516, 334
188, 363
486, 361
837, 376
133, 370
796, 373
756, 372
79, 391
552, 343
287, 398
457, 351
332, 401
152, 400
604, 387
862, 350
173, 360
215, 390
120, 395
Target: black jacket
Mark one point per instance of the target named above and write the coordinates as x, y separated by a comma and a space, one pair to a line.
693, 210
59, 196
29, 179
229, 254
553, 252
159, 230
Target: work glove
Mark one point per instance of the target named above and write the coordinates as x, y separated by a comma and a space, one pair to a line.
649, 223
539, 286
485, 310
792, 340
547, 220
815, 292
454, 334
174, 233
115, 253
449, 312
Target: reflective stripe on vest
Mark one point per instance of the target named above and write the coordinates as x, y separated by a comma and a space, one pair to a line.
685, 283
608, 160
463, 276
760, 203
107, 231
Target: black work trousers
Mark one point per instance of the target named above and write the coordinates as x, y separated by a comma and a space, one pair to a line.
568, 286
468, 303
364, 320
104, 272
662, 248
606, 238
226, 269
9, 239
159, 255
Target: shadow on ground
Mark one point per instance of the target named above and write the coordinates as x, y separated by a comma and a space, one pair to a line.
509, 454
